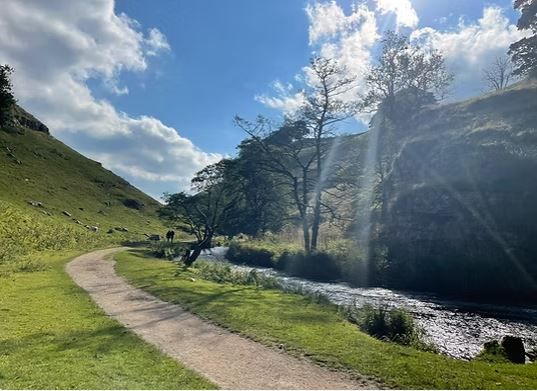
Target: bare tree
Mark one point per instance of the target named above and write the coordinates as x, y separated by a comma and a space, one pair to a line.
499, 74
284, 152
297, 151
327, 103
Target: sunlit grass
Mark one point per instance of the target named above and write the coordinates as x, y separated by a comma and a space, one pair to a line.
52, 336
315, 330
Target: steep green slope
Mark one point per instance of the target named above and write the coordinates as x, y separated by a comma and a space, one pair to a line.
41, 177
37, 167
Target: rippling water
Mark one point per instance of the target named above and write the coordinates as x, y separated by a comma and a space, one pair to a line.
457, 328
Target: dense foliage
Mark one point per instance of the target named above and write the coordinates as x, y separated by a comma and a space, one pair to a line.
7, 99
339, 260
524, 51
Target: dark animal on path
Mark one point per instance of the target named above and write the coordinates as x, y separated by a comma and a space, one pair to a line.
169, 236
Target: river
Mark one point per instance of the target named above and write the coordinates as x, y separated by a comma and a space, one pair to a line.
456, 328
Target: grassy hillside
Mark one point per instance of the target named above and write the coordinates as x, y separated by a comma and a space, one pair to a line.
42, 177
36, 166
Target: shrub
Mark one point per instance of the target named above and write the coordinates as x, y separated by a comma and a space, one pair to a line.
240, 253
133, 203
223, 273
167, 250
319, 266
395, 325
492, 352
337, 260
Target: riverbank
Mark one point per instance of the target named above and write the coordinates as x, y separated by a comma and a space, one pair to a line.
52, 336
316, 331
228, 360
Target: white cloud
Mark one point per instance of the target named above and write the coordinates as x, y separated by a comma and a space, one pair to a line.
156, 43
405, 14
56, 46
348, 38
327, 20
285, 100
470, 47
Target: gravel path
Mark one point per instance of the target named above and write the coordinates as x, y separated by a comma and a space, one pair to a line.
228, 360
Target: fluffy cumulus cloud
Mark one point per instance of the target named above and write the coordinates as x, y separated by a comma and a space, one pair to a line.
56, 47
352, 44
471, 47
404, 13
347, 37
286, 99
353, 37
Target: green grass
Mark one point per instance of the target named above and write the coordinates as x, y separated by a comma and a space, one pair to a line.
62, 179
315, 330
23, 232
52, 336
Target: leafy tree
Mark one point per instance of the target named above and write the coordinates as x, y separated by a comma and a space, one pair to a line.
7, 100
202, 214
524, 52
499, 74
404, 71
263, 205
284, 153
405, 77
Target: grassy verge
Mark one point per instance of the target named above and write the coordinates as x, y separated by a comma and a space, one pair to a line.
316, 330
52, 336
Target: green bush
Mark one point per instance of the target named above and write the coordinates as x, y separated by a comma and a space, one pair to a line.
167, 250
223, 273
336, 260
248, 254
492, 352
319, 266
395, 325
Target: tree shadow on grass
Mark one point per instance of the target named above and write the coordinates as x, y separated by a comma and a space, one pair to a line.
99, 341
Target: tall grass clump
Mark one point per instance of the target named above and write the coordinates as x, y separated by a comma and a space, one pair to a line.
394, 325
336, 260
168, 250
225, 274
25, 232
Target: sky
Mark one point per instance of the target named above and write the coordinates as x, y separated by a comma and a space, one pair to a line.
150, 88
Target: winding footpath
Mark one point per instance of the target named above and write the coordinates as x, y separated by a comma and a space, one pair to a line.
228, 360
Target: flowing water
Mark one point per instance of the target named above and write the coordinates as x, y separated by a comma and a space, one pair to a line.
457, 328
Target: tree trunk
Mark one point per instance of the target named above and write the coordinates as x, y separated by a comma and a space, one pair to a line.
304, 213
198, 248
316, 221
306, 232
318, 192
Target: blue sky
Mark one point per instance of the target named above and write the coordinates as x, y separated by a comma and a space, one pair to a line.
226, 52
150, 88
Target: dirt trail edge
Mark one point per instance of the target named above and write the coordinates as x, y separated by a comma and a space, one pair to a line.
228, 360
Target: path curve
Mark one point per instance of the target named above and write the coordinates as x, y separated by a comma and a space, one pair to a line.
228, 360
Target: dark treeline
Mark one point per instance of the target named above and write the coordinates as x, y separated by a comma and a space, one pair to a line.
436, 207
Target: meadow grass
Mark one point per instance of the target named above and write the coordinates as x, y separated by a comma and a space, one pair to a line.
314, 330
52, 336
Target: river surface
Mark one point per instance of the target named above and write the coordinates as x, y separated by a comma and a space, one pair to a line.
457, 328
